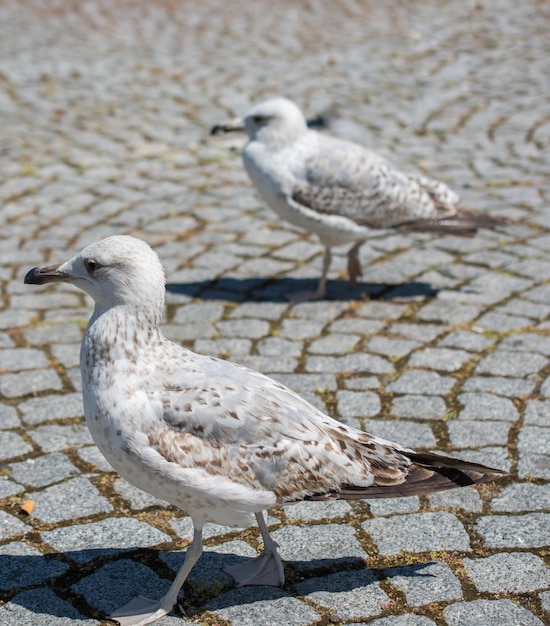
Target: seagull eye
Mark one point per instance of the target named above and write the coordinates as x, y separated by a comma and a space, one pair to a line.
91, 266
257, 119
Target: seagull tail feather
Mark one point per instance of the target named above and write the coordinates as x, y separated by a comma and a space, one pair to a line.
464, 222
428, 473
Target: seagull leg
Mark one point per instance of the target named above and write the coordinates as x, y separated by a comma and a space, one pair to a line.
354, 266
266, 569
141, 611
304, 296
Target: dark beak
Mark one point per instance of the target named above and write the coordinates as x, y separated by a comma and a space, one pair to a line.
42, 275
231, 126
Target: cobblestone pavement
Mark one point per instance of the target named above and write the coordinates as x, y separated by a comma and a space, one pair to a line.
105, 109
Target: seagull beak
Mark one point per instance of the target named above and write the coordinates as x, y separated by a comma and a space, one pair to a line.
45, 274
230, 126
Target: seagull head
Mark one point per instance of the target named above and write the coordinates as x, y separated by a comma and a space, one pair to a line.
276, 121
118, 270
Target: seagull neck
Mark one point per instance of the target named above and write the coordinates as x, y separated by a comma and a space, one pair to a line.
129, 327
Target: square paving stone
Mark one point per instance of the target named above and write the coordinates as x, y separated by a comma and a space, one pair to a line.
512, 387
448, 312
490, 455
486, 406
502, 323
350, 594
334, 343
115, 584
444, 359
531, 465
528, 342
489, 613
12, 445
43, 607
465, 499
467, 340
534, 440
315, 511
298, 329
57, 437
75, 498
268, 606
418, 532
408, 619
388, 506
353, 363
23, 383
51, 407
419, 407
506, 363
522, 497
22, 565
517, 572
16, 359
43, 470
301, 383
358, 404
10, 526
9, 487
380, 310
419, 332
391, 347
407, 433
137, 498
8, 417
251, 329
362, 383
515, 531
475, 434
357, 326
431, 383
84, 542
276, 346
537, 412
92, 455
425, 583
318, 546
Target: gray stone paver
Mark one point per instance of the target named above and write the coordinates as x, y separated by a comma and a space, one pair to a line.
72, 499
418, 532
515, 572
430, 582
346, 594
489, 613
105, 112
515, 531
23, 565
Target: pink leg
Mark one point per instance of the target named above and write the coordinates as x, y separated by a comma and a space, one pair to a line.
354, 266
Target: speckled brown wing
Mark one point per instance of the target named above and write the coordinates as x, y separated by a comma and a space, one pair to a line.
341, 178
249, 428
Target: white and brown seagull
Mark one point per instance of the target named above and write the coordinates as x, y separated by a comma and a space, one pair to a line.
220, 441
340, 190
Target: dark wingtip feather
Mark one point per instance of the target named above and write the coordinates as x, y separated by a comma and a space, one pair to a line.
428, 473
463, 223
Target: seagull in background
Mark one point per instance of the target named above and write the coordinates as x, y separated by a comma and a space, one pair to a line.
216, 439
339, 190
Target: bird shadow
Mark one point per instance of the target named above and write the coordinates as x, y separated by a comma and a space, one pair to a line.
283, 289
35, 583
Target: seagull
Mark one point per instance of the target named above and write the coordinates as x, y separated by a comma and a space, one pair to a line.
340, 190
214, 438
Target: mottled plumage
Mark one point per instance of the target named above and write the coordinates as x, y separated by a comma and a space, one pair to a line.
220, 441
340, 190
